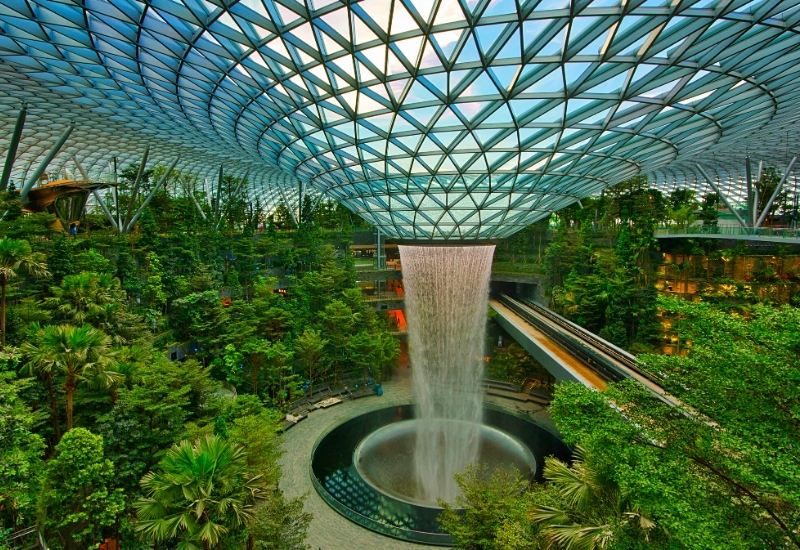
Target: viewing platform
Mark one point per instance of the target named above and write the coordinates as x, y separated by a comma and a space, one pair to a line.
765, 234
568, 351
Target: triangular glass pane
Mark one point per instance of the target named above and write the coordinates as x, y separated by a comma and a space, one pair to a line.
555, 46
447, 41
505, 76
531, 30
551, 83
500, 7
449, 12
487, 35
430, 59
362, 32
409, 49
481, 86
402, 20
419, 93
512, 49
469, 52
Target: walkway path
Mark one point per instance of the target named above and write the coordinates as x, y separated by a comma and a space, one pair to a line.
562, 364
329, 530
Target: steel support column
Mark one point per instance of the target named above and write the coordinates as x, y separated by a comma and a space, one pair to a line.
231, 196
754, 218
152, 194
45, 161
721, 196
316, 202
748, 172
216, 196
288, 206
775, 193
106, 211
197, 205
136, 184
11, 154
80, 169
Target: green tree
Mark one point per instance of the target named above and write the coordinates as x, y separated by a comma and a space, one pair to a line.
709, 210
20, 454
60, 261
490, 505
199, 317
339, 322
76, 502
280, 524
387, 350
363, 348
81, 354
593, 513
282, 380
154, 293
199, 495
309, 348
97, 300
150, 415
248, 362
16, 257
732, 482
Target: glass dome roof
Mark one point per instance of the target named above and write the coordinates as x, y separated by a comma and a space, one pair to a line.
434, 119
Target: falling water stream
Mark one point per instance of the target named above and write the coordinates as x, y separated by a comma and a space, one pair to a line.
446, 299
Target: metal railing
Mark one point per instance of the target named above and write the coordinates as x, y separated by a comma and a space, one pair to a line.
729, 231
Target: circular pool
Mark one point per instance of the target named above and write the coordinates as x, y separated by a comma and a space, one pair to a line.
363, 468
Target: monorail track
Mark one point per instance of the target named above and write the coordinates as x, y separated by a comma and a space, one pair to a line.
607, 360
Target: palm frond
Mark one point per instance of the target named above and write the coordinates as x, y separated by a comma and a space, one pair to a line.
547, 515
579, 537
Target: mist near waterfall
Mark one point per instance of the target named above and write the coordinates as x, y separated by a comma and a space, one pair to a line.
446, 301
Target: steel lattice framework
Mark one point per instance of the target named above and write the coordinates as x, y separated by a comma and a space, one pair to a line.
434, 119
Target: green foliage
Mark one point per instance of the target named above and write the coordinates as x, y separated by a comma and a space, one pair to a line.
591, 512
310, 351
80, 354
77, 501
20, 454
725, 460
60, 261
200, 494
280, 524
610, 289
91, 260
198, 317
709, 209
16, 257
257, 434
492, 509
95, 337
515, 364
149, 416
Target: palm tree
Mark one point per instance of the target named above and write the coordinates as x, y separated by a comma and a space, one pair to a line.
200, 493
129, 363
85, 294
595, 508
81, 354
16, 257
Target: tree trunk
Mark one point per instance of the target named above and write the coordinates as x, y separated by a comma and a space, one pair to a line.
70, 392
2, 311
53, 406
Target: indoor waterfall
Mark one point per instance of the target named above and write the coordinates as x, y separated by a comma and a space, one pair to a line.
446, 299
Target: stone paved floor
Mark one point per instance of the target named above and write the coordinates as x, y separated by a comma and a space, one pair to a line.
329, 530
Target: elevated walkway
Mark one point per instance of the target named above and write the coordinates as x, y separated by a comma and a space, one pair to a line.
763, 234
568, 351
